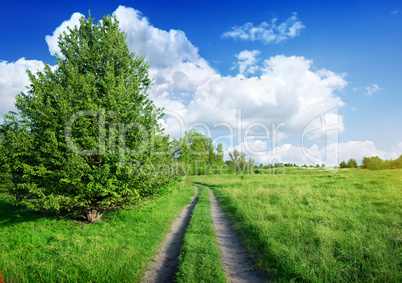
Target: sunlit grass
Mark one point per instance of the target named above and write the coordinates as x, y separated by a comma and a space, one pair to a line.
311, 225
41, 248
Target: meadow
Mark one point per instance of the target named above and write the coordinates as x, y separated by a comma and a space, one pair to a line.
308, 225
37, 247
299, 225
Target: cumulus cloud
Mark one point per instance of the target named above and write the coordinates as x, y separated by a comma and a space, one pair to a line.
175, 65
373, 88
247, 61
13, 80
51, 40
288, 91
267, 32
161, 48
336, 152
330, 155
174, 61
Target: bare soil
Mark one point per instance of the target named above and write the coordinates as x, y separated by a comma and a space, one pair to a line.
238, 265
164, 266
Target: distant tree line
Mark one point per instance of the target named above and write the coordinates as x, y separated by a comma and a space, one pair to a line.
373, 163
350, 164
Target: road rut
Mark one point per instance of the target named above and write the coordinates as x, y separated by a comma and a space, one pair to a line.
164, 267
238, 265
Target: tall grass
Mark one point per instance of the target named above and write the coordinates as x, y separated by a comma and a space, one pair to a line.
309, 225
41, 248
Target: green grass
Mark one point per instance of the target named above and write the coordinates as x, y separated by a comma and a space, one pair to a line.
199, 259
41, 248
313, 226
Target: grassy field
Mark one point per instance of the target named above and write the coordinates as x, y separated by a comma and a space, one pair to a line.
41, 248
199, 259
313, 226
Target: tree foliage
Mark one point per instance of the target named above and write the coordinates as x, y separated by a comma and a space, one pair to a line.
376, 163
352, 163
80, 126
239, 163
196, 153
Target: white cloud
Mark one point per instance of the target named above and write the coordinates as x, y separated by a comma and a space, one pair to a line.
330, 155
161, 48
288, 91
359, 149
267, 33
247, 61
13, 79
373, 88
175, 64
367, 90
174, 61
394, 12
52, 40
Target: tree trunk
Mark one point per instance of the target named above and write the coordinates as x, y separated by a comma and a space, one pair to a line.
94, 215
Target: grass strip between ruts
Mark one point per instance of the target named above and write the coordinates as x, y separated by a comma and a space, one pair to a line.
199, 259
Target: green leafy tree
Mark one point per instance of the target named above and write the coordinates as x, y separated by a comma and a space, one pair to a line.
196, 152
397, 163
365, 162
237, 159
352, 163
343, 164
375, 163
86, 135
16, 152
239, 163
219, 155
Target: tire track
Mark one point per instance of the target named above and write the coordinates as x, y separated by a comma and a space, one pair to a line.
164, 266
238, 265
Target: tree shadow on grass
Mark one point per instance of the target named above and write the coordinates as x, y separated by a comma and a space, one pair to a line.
11, 214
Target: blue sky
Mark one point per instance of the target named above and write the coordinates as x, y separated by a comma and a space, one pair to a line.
358, 42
